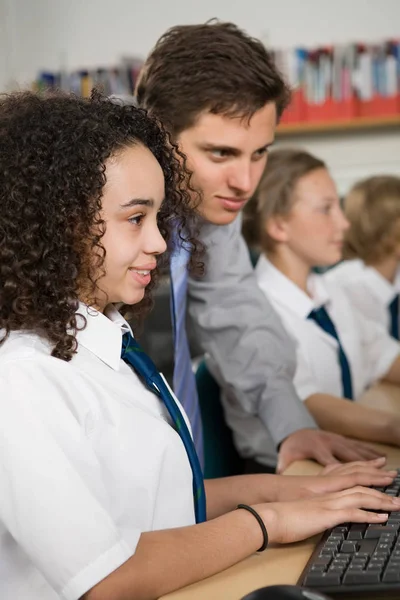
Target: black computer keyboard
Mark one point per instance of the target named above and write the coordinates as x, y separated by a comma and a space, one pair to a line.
358, 560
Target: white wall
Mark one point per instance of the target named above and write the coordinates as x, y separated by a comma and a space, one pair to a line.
49, 34
6, 46
355, 155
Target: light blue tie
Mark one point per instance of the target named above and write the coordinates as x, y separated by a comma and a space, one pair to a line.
184, 382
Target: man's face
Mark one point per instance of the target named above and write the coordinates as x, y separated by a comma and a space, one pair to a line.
227, 156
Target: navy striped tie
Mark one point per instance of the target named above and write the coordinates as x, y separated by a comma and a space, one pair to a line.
321, 317
184, 382
133, 354
394, 317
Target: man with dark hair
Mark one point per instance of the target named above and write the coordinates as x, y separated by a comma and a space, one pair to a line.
220, 95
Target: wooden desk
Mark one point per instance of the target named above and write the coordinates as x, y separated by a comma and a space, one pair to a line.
282, 564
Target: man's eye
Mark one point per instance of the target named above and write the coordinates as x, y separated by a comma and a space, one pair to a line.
219, 153
261, 152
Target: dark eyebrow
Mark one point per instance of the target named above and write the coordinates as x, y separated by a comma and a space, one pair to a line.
220, 147
231, 150
138, 202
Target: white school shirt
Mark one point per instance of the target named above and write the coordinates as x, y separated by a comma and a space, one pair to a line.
87, 463
369, 349
368, 291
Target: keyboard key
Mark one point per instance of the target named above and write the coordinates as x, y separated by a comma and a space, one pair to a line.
362, 560
322, 560
349, 546
361, 554
332, 545
377, 560
337, 569
352, 578
375, 531
355, 568
375, 567
328, 579
394, 563
339, 563
367, 546
383, 549
393, 527
344, 557
372, 533
388, 536
329, 552
356, 531
340, 529
391, 576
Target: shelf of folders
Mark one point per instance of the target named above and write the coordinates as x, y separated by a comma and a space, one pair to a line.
118, 80
357, 84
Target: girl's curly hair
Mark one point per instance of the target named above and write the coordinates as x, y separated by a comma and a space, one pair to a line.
53, 150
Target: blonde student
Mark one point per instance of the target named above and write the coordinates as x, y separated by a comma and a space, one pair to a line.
300, 225
370, 273
101, 492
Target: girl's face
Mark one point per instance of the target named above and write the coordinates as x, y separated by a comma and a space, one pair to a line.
314, 229
132, 197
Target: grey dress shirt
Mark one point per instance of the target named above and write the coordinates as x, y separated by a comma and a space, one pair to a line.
247, 349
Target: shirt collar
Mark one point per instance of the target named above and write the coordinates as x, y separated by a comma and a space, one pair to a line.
350, 272
283, 290
103, 333
385, 290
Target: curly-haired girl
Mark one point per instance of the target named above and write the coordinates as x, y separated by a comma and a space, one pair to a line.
97, 466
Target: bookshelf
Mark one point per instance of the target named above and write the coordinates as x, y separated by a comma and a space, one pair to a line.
337, 126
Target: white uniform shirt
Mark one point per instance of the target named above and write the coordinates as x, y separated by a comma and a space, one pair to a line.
87, 463
369, 349
368, 291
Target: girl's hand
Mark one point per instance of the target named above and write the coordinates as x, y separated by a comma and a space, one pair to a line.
288, 522
367, 466
335, 479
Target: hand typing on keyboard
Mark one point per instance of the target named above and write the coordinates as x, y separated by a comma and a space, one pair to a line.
359, 558
293, 521
359, 466
336, 478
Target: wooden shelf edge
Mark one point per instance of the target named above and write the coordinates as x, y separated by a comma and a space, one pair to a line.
360, 123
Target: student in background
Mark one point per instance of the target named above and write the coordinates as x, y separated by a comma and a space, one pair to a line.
100, 484
219, 94
300, 224
370, 274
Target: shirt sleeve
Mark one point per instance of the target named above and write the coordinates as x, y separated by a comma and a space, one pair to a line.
380, 349
57, 516
247, 348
